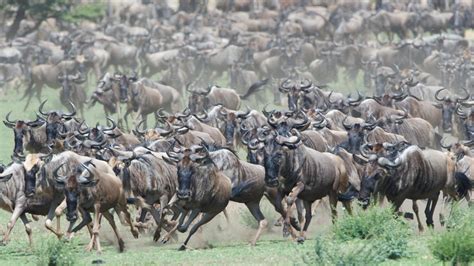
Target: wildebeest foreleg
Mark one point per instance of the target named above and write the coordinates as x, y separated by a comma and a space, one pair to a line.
95, 230
158, 215
333, 205
192, 216
28, 230
167, 237
110, 219
415, 210
290, 200
307, 218
275, 199
86, 219
204, 219
55, 211
430, 208
254, 209
19, 209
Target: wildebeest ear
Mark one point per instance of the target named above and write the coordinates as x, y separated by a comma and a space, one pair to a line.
358, 159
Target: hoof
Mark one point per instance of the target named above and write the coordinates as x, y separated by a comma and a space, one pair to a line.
182, 229
300, 240
3, 243
135, 233
156, 236
277, 223
121, 245
164, 240
183, 247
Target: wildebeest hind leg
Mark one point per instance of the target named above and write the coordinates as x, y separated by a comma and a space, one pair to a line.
110, 218
158, 216
254, 209
204, 219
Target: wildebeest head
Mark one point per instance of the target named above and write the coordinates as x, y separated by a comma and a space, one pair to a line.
274, 153
82, 177
293, 90
254, 146
32, 166
376, 166
22, 131
356, 134
448, 107
232, 121
189, 160
55, 121
199, 99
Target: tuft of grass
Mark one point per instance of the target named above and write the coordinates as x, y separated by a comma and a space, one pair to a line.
54, 252
456, 244
379, 227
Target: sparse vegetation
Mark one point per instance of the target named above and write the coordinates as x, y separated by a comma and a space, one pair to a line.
456, 244
53, 252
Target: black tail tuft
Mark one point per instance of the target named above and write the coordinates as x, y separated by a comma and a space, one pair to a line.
253, 88
463, 184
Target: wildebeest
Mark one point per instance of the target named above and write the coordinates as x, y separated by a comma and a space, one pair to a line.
202, 188
303, 172
90, 185
410, 173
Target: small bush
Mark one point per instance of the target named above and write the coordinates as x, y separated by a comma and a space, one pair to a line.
329, 252
380, 226
54, 252
456, 244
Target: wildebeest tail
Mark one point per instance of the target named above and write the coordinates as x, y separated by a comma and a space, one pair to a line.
463, 184
254, 87
138, 202
349, 195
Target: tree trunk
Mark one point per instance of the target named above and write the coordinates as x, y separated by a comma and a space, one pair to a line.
20, 15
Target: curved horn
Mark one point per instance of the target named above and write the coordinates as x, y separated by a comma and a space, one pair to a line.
329, 98
8, 122
437, 95
441, 142
137, 128
73, 113
461, 99
384, 162
346, 126
41, 108
114, 125
58, 177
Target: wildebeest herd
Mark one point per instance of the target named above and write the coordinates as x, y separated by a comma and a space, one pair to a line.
409, 136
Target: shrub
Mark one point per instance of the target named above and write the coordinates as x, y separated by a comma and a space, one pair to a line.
329, 252
54, 252
456, 244
89, 11
379, 225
